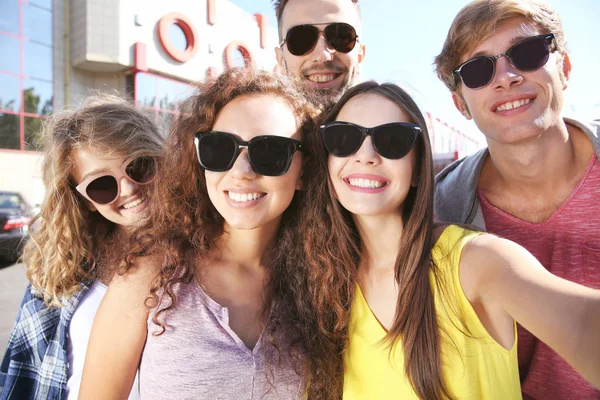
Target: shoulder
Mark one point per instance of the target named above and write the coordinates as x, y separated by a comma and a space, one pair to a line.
486, 257
36, 326
591, 130
455, 187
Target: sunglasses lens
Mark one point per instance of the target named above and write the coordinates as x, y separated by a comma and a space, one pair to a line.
142, 169
301, 39
477, 72
271, 155
341, 37
393, 141
216, 151
342, 140
103, 190
530, 54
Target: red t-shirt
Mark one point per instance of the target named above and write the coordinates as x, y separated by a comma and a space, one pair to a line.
568, 245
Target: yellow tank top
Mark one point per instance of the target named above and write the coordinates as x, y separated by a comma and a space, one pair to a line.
475, 366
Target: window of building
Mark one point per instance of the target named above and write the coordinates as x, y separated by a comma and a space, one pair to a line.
26, 72
160, 95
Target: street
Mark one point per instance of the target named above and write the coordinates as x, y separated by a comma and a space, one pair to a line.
12, 288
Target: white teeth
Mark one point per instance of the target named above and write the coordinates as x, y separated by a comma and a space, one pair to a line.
513, 104
133, 203
243, 197
365, 183
320, 78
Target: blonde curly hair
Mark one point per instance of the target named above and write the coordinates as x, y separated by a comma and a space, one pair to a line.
62, 249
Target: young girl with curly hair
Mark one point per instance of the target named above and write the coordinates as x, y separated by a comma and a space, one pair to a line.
204, 311
397, 307
98, 161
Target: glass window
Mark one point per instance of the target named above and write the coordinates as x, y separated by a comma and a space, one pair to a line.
37, 61
10, 99
9, 16
37, 97
182, 92
145, 89
33, 128
9, 131
177, 37
37, 24
43, 3
166, 94
238, 59
9, 62
164, 121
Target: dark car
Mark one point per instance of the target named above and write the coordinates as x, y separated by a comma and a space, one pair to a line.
15, 215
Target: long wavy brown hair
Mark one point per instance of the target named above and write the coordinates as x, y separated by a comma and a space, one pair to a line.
66, 237
331, 247
184, 226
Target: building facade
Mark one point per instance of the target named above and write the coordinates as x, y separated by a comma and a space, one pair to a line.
56, 52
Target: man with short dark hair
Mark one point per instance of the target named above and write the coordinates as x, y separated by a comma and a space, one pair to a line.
320, 43
538, 181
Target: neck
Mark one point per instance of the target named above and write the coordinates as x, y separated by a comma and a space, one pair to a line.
380, 241
250, 247
535, 165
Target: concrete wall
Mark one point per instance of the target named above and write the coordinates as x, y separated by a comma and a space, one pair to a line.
21, 172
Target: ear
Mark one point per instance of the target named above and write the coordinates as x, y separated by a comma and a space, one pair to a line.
460, 104
280, 60
414, 181
362, 50
566, 69
300, 183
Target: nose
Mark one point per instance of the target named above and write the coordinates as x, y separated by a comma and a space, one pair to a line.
322, 51
506, 75
128, 188
242, 169
367, 154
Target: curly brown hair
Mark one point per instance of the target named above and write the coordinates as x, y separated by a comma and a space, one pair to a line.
331, 254
63, 247
184, 226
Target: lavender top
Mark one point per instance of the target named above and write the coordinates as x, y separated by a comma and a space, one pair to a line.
200, 357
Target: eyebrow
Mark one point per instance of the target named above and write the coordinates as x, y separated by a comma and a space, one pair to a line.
512, 42
94, 172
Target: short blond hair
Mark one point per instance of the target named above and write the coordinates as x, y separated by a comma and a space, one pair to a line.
478, 20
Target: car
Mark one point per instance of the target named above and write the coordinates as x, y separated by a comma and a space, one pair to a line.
15, 216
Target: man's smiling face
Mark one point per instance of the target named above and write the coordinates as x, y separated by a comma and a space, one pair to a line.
328, 72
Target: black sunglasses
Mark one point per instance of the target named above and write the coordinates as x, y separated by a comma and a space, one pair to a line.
104, 188
302, 39
269, 155
393, 140
527, 55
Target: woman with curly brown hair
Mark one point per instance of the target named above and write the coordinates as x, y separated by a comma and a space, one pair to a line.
98, 161
203, 313
403, 308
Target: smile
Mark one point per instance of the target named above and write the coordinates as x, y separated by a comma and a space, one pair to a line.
513, 104
365, 183
134, 203
318, 78
244, 197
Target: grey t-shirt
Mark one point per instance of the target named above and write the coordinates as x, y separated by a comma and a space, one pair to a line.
200, 357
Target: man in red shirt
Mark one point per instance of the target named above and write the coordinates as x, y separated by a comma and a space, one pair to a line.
538, 181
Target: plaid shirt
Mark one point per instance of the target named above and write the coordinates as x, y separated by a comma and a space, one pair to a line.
35, 365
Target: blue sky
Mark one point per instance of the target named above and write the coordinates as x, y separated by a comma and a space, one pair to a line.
403, 37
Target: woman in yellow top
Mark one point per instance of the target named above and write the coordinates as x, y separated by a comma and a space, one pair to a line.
407, 309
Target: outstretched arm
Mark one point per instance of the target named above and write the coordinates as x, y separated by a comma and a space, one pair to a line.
118, 337
563, 314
